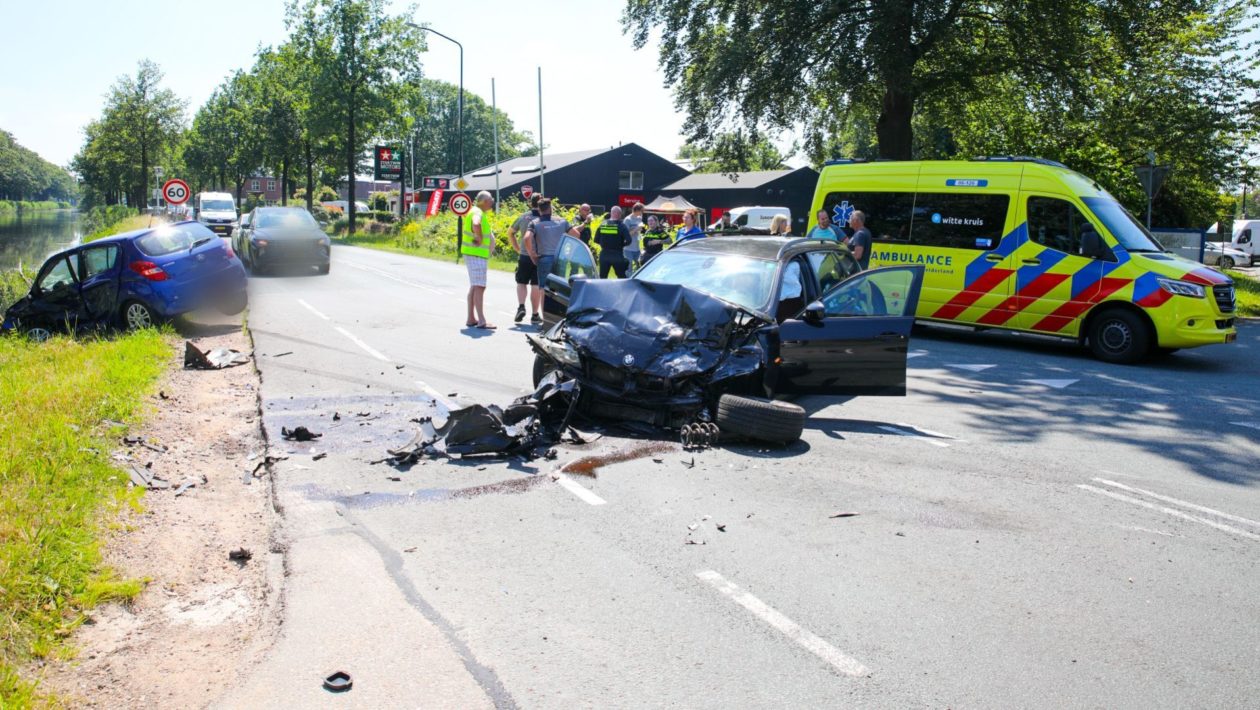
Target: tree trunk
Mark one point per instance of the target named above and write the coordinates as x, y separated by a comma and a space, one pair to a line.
894, 129
284, 182
310, 177
350, 159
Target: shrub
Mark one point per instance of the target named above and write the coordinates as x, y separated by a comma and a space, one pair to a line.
383, 216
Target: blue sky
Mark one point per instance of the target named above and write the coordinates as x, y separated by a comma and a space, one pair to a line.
60, 58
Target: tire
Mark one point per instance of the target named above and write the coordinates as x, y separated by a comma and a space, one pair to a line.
323, 269
1227, 262
38, 335
759, 419
1119, 336
234, 304
137, 316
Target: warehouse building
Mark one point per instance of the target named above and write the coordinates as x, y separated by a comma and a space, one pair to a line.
717, 193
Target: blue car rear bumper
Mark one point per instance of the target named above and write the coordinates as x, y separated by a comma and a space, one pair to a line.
171, 299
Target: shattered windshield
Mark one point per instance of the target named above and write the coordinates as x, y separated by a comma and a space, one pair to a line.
742, 280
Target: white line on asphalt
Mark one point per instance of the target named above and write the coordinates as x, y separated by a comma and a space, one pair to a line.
578, 490
972, 368
367, 348
1170, 511
1182, 503
311, 308
1249, 425
929, 432
815, 645
915, 434
915, 353
400, 280
437, 396
1056, 384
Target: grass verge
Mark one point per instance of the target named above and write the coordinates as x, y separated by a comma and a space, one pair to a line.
1247, 291
126, 224
58, 490
391, 243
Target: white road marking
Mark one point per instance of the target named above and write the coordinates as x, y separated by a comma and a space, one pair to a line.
815, 645
916, 353
366, 348
1056, 384
972, 368
1249, 425
1170, 511
915, 434
392, 277
1182, 503
929, 432
580, 491
311, 308
437, 396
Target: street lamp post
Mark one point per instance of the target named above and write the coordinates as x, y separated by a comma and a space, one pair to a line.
459, 118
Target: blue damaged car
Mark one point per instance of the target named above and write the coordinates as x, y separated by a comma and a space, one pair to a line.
131, 280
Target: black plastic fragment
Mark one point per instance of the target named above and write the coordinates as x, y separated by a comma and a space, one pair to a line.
338, 682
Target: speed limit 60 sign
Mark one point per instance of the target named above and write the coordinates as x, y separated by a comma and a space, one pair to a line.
175, 192
461, 204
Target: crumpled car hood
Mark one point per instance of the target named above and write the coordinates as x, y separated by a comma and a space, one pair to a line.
655, 329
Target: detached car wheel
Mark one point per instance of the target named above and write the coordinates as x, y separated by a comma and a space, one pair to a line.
137, 316
760, 419
1119, 336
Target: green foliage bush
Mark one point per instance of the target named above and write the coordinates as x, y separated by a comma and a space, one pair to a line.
100, 219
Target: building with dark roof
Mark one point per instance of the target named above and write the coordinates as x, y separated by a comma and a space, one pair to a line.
719, 192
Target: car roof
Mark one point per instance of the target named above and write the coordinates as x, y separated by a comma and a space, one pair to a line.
757, 247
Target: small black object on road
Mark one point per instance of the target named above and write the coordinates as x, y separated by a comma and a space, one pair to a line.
240, 555
338, 682
298, 433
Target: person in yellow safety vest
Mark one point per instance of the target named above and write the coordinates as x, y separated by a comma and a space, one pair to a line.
476, 252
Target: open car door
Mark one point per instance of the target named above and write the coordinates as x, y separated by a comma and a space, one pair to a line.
853, 340
573, 260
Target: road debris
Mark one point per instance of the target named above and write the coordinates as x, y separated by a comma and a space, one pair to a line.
699, 436
143, 479
298, 433
320, 455
240, 555
217, 359
721, 527
689, 464
844, 515
338, 682
336, 416
287, 352
189, 483
695, 532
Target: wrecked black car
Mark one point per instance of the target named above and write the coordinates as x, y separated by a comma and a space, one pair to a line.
707, 329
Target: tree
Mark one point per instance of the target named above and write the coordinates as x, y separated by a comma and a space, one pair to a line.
435, 105
894, 54
25, 175
360, 56
734, 152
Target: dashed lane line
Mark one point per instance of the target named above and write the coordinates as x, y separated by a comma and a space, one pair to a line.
391, 277
1249, 425
921, 435
579, 490
1169, 511
312, 309
830, 654
366, 348
1182, 503
1055, 384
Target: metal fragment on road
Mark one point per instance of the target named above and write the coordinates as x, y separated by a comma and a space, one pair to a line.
844, 515
217, 359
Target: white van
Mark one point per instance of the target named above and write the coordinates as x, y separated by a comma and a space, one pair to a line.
1243, 237
758, 216
216, 210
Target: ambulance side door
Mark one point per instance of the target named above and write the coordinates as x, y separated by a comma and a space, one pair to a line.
1056, 284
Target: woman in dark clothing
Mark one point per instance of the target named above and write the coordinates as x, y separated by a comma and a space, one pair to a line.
655, 238
613, 237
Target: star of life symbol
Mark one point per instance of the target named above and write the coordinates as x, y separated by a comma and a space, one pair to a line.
842, 212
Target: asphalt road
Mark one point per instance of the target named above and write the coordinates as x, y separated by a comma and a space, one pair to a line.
1034, 528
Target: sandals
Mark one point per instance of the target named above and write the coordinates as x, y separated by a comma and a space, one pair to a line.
486, 326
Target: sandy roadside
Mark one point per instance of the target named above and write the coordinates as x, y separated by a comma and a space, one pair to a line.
203, 619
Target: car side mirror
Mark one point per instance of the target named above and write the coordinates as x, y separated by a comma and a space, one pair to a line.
815, 312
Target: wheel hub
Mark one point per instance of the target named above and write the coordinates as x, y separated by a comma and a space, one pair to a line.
138, 317
1116, 336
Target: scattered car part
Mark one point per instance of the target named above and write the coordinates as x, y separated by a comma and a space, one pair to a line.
338, 682
217, 359
700, 435
299, 433
844, 515
240, 555
769, 421
143, 479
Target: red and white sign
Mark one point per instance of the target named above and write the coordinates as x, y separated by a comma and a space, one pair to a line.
627, 201
526, 191
175, 192
461, 204
435, 204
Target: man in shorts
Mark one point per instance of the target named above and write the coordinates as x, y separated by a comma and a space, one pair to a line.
526, 269
476, 252
542, 241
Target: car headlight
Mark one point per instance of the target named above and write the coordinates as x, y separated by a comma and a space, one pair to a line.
1182, 288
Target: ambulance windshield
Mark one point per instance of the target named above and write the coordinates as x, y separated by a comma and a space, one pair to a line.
1123, 225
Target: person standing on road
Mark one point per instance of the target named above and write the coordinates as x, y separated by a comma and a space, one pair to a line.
655, 238
860, 242
526, 269
583, 223
634, 223
613, 236
690, 229
477, 253
542, 241
824, 229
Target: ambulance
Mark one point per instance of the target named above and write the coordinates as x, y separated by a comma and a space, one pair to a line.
1027, 244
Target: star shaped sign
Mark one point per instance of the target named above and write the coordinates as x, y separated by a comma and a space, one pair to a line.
386, 154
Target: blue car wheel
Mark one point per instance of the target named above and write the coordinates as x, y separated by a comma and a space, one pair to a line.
137, 316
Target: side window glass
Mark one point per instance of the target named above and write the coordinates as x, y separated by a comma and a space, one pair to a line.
56, 276
884, 292
828, 268
957, 221
793, 285
888, 214
573, 258
1245, 237
1057, 224
99, 260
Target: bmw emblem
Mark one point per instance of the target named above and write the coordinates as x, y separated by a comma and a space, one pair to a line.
628, 359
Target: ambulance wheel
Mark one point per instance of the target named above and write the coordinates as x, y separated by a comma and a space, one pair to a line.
1119, 336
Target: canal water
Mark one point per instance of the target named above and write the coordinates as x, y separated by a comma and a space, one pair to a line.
30, 237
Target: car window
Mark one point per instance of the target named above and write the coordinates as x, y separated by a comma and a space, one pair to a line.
169, 240
959, 221
1056, 224
883, 292
56, 275
218, 205
99, 260
573, 258
1123, 226
1245, 236
742, 280
887, 213
830, 268
793, 285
